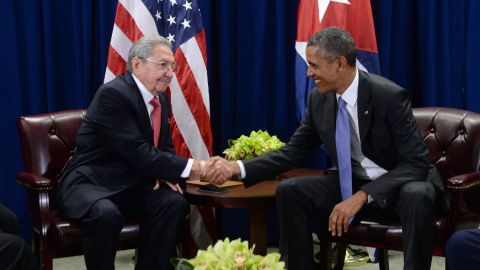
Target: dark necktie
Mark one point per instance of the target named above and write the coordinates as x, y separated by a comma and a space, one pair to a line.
156, 116
342, 141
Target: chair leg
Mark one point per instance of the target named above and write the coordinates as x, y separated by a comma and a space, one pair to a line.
325, 247
383, 260
46, 256
340, 260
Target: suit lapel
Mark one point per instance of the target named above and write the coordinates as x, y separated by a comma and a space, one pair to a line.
329, 110
144, 117
165, 126
364, 107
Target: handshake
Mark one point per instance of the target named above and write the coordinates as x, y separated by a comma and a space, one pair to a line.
216, 170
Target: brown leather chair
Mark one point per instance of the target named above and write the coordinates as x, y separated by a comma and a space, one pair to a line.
48, 141
453, 138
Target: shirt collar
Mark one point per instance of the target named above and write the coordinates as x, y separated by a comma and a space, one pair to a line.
350, 95
147, 95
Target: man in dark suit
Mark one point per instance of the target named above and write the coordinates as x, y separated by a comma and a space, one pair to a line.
463, 249
124, 164
15, 254
386, 156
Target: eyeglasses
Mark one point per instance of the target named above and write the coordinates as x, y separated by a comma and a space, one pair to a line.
162, 65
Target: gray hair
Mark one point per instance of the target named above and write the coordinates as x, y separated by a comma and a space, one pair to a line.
334, 42
143, 48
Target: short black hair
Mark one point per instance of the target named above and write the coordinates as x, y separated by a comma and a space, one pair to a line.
333, 42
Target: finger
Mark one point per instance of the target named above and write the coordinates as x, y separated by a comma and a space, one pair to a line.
179, 189
346, 220
157, 185
332, 223
172, 187
339, 225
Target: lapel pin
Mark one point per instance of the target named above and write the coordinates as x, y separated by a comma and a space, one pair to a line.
365, 113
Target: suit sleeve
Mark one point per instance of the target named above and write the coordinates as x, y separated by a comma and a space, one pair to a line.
412, 153
292, 154
116, 119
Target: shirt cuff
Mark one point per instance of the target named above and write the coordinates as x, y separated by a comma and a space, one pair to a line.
242, 169
188, 168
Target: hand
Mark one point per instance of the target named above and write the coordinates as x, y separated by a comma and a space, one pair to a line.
199, 170
343, 212
174, 187
221, 170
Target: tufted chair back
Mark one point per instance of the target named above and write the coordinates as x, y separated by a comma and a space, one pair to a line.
453, 139
48, 141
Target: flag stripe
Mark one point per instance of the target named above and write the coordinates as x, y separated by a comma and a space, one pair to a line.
127, 24
120, 42
186, 123
143, 19
115, 62
193, 98
194, 57
200, 37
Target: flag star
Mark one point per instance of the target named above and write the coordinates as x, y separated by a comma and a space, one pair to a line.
171, 37
171, 20
158, 15
173, 2
185, 23
187, 5
323, 5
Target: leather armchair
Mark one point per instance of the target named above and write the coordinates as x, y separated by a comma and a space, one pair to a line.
453, 139
48, 141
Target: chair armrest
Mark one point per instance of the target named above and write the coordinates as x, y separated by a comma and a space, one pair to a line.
463, 182
34, 182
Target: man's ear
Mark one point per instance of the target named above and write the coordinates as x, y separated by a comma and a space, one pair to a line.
342, 62
135, 62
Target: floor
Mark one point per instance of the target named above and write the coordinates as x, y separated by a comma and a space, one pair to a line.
124, 262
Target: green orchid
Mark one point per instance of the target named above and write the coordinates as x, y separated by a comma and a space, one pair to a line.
258, 143
231, 255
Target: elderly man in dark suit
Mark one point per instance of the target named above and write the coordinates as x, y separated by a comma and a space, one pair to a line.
367, 126
125, 164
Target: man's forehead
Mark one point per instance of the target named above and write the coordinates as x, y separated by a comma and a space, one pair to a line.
162, 51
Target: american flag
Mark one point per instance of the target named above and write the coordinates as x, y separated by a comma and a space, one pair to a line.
355, 16
181, 23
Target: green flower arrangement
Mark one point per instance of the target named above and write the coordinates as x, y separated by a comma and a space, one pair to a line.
257, 144
230, 255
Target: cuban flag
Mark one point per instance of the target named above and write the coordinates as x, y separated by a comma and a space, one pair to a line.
180, 22
354, 16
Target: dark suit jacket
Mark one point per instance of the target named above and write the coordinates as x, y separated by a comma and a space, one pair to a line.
115, 150
388, 135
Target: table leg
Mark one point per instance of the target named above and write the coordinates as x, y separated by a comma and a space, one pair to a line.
258, 230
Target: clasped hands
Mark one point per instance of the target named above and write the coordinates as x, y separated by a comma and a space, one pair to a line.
216, 170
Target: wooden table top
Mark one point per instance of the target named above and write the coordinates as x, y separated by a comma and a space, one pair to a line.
261, 195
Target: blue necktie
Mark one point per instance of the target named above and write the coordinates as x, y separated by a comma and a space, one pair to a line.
342, 141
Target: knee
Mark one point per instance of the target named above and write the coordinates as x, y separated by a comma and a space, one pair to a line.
421, 192
106, 214
13, 244
178, 204
284, 188
457, 242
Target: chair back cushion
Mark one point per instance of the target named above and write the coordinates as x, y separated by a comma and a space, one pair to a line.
48, 140
453, 139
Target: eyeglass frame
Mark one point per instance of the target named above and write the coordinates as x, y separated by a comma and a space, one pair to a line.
161, 66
